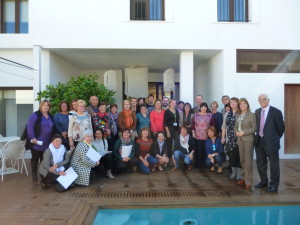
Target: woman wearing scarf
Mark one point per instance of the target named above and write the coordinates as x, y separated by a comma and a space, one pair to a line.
113, 116
127, 120
122, 144
146, 161
101, 120
228, 137
55, 161
184, 147
159, 150
80, 162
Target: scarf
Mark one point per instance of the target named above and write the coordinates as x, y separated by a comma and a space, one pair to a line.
58, 156
184, 141
101, 115
230, 122
128, 118
113, 122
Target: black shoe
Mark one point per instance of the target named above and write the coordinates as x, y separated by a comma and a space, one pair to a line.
272, 189
44, 185
59, 188
34, 178
261, 185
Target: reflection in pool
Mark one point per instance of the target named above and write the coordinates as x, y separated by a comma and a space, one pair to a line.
268, 215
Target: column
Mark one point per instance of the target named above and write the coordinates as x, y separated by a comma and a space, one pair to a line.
186, 77
36, 74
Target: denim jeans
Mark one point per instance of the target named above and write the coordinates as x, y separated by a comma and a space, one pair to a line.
144, 169
178, 154
219, 159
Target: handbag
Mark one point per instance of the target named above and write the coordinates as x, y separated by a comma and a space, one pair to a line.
28, 144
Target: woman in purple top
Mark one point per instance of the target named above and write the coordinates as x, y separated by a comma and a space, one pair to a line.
40, 127
201, 121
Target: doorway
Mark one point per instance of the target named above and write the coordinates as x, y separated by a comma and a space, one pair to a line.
292, 118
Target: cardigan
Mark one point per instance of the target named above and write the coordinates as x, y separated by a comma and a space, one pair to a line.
170, 119
48, 162
118, 145
82, 164
42, 130
122, 121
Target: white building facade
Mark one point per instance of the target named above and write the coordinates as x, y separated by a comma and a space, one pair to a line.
239, 48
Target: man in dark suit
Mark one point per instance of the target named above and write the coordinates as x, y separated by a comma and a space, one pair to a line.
270, 128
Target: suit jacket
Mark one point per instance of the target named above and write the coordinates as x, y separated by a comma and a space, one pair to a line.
248, 126
273, 129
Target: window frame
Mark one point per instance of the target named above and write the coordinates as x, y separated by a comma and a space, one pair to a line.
132, 11
231, 12
17, 17
284, 53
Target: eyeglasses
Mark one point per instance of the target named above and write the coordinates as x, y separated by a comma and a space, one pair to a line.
262, 99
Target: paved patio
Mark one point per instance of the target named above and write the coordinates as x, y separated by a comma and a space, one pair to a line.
24, 202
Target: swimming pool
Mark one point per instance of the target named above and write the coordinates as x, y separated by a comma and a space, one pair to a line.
269, 215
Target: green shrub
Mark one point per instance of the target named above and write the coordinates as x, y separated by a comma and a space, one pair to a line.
81, 87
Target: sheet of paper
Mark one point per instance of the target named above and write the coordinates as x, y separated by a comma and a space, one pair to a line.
93, 155
126, 150
107, 152
67, 179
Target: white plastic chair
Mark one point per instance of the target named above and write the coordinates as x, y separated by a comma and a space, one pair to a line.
14, 150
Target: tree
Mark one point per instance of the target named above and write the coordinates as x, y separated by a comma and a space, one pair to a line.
81, 87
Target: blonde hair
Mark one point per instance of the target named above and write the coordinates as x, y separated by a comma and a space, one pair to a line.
43, 102
80, 101
126, 101
214, 102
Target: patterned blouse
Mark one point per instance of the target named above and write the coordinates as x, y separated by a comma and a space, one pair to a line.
200, 123
101, 121
78, 124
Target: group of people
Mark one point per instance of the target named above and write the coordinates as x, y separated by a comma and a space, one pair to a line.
152, 136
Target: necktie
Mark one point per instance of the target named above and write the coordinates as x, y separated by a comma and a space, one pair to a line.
262, 123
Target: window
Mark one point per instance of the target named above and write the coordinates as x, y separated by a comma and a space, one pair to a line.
268, 61
147, 9
233, 10
16, 106
14, 16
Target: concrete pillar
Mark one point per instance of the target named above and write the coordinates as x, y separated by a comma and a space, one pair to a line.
36, 74
186, 77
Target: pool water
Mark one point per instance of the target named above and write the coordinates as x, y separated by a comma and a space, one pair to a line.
268, 215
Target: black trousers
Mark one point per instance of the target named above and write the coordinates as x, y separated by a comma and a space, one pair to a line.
37, 156
262, 156
131, 163
105, 161
234, 157
170, 143
50, 178
200, 154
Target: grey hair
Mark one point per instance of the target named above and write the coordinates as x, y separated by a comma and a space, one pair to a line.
263, 94
87, 133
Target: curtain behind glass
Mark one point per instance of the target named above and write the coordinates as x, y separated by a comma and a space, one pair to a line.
24, 16
9, 16
155, 9
239, 10
223, 10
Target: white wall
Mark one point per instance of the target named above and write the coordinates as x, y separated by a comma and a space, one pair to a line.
60, 69
209, 79
12, 75
98, 24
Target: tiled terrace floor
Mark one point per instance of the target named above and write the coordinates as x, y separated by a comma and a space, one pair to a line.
24, 202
